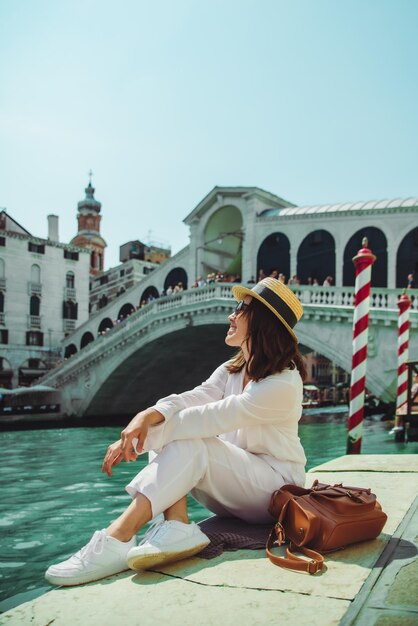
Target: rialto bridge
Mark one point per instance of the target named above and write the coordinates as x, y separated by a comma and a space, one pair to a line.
174, 342
124, 356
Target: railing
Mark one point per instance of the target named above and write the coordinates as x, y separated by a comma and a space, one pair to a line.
310, 296
2, 284
2, 319
35, 289
380, 298
34, 322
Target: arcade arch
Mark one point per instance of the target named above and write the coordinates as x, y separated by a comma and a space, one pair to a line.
174, 277
316, 257
150, 292
31, 370
6, 373
70, 350
377, 243
274, 254
222, 243
105, 324
126, 310
407, 259
86, 339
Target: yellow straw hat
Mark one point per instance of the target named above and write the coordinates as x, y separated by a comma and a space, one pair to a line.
277, 297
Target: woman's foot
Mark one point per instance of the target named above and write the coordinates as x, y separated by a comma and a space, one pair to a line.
102, 556
165, 542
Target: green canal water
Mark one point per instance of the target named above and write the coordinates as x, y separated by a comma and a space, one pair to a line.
53, 494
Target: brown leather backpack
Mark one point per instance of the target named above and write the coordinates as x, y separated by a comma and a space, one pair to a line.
325, 518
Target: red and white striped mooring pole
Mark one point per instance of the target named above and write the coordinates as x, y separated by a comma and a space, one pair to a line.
404, 304
363, 262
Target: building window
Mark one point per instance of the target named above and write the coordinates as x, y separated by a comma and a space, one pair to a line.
104, 280
69, 280
1, 302
122, 273
4, 336
36, 247
69, 310
73, 256
35, 274
35, 306
34, 338
2, 241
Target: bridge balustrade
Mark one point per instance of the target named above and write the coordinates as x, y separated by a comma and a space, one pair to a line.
381, 299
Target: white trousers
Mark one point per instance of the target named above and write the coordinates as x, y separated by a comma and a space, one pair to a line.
226, 479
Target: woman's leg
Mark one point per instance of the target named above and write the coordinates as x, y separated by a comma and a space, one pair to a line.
132, 519
219, 474
139, 513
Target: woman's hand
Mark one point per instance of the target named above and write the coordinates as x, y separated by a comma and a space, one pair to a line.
114, 457
138, 428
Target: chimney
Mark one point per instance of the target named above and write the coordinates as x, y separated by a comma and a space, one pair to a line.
53, 228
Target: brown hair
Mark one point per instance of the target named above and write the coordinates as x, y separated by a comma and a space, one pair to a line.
272, 347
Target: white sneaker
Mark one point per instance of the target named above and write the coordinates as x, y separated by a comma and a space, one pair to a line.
102, 556
167, 541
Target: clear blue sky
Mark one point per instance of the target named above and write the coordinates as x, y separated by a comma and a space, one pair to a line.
314, 100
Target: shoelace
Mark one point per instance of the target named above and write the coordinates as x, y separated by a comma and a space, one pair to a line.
94, 546
157, 527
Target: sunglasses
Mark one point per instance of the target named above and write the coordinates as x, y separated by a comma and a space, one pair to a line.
241, 306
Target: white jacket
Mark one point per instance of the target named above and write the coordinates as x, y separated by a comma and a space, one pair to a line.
262, 418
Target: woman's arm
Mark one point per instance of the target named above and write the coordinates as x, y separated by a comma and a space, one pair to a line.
270, 401
209, 391
135, 433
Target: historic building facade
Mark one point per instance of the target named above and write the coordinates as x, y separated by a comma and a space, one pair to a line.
44, 295
241, 230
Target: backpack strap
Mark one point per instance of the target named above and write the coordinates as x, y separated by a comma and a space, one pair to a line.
292, 561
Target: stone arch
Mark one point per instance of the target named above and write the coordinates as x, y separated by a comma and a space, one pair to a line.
5, 363
70, 350
86, 339
35, 273
274, 254
175, 276
125, 310
6, 373
180, 367
31, 370
150, 291
316, 257
105, 324
407, 259
35, 306
377, 243
221, 249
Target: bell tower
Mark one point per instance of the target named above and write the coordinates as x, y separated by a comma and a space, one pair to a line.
88, 235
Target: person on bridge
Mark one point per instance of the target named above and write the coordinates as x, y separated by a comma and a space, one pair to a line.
231, 442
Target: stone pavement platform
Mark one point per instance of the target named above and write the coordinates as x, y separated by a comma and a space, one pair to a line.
369, 584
